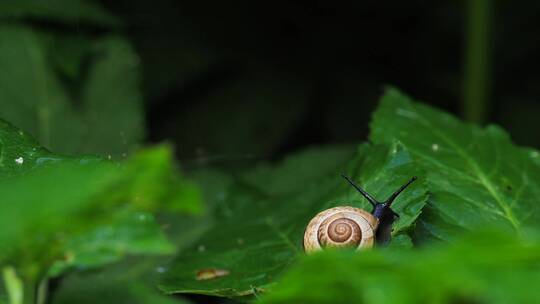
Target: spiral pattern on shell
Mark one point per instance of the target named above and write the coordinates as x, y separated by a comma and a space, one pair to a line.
340, 227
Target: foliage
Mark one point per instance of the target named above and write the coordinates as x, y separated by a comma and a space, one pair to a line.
75, 94
259, 228
65, 212
484, 267
83, 207
476, 176
129, 281
476, 179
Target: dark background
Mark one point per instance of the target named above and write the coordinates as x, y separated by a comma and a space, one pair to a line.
235, 81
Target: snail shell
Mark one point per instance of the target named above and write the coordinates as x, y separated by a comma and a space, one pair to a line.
340, 227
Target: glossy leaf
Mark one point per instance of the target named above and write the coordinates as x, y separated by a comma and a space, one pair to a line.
99, 113
259, 226
487, 267
476, 176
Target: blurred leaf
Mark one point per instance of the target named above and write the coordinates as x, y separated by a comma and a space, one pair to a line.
132, 233
247, 118
534, 155
184, 230
3, 296
113, 285
482, 268
160, 181
84, 212
105, 115
297, 170
112, 99
44, 200
131, 280
259, 226
401, 241
99, 290
476, 176
69, 11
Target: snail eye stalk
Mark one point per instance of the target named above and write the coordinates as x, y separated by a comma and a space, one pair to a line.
370, 198
392, 197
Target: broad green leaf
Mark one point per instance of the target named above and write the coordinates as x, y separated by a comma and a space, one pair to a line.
80, 215
84, 212
44, 199
100, 113
68, 11
476, 176
259, 226
487, 267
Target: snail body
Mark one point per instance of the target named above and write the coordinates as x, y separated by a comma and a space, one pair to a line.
350, 227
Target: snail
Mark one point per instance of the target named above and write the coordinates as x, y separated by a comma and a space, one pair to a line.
351, 227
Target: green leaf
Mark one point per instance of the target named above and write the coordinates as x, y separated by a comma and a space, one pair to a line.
111, 99
150, 180
101, 113
83, 212
101, 290
132, 233
285, 178
486, 267
259, 226
67, 11
120, 283
20, 153
44, 199
476, 176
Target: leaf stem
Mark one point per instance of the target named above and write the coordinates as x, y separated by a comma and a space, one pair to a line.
476, 79
42, 291
21, 290
14, 285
